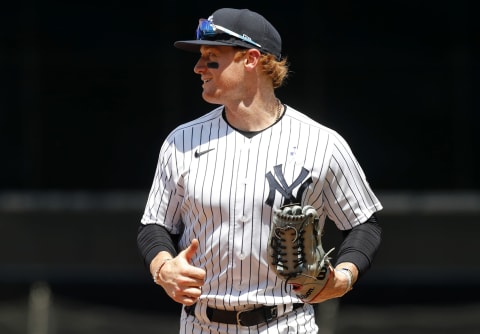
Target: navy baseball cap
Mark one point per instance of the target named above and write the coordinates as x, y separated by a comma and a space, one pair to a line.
235, 27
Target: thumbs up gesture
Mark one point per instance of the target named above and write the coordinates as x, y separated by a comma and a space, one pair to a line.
190, 251
179, 278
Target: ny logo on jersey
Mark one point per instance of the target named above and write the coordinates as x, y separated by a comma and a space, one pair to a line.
278, 183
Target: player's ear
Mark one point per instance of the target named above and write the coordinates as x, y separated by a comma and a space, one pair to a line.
252, 58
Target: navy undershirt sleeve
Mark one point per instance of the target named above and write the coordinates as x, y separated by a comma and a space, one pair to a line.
152, 239
360, 244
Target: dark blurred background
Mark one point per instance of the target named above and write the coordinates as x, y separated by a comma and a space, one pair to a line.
90, 89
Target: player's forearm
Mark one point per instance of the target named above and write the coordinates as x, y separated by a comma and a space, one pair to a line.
360, 245
153, 239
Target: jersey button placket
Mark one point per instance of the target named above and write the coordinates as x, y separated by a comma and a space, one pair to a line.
242, 220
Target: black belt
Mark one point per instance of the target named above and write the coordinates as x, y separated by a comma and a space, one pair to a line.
244, 318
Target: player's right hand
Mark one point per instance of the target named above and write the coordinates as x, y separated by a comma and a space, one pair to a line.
180, 279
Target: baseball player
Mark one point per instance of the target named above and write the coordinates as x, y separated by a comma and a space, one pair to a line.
204, 233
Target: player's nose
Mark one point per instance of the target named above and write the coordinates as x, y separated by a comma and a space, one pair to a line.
200, 66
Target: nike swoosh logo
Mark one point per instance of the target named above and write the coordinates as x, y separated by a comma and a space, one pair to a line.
199, 153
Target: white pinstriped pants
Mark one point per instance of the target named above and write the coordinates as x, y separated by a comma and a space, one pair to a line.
301, 320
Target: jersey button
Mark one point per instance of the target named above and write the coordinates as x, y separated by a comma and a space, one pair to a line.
242, 256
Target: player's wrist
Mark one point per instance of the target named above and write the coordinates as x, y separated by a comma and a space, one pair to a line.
156, 274
352, 269
349, 275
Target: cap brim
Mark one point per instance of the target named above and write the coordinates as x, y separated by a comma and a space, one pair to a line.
194, 45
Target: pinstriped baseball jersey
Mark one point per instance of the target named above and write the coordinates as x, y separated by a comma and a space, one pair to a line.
214, 184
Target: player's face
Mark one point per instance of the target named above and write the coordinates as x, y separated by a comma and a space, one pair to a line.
222, 73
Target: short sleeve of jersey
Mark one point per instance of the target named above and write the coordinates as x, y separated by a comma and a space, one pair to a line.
164, 201
349, 199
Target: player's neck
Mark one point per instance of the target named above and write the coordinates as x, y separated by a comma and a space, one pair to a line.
255, 117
